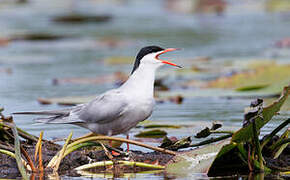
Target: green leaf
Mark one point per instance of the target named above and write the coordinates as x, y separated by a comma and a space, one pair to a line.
246, 133
279, 149
18, 158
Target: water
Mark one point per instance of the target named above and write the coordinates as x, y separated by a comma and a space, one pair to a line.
235, 35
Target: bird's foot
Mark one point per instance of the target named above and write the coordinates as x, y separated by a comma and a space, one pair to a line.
114, 153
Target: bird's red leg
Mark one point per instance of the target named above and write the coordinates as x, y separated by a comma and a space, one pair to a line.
127, 143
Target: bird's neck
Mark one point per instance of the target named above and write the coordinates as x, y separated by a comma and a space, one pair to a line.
141, 82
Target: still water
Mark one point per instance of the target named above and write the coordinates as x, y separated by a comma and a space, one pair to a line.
240, 34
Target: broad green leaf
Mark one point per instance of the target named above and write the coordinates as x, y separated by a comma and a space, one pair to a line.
195, 161
244, 134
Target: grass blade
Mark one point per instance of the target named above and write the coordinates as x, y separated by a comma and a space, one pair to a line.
18, 153
55, 161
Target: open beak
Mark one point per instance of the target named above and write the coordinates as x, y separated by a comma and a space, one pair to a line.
166, 62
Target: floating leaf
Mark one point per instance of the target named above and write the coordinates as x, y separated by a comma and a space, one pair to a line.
152, 134
195, 161
81, 18
252, 88
37, 37
118, 60
161, 126
277, 5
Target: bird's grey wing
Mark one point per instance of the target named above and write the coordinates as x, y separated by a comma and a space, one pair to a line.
104, 108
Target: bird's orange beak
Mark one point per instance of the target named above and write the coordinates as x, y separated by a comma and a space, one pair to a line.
166, 62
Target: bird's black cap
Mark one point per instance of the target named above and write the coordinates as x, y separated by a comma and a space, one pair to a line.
143, 52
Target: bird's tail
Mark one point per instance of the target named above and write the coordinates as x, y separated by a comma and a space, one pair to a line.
54, 116
47, 113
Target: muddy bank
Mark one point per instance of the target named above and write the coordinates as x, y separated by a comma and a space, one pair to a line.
9, 169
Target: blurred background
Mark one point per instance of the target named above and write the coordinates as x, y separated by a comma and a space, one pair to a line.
72, 50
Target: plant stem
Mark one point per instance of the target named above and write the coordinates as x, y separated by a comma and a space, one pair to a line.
30, 162
127, 163
18, 153
221, 132
8, 153
274, 132
22, 133
121, 140
208, 141
11, 154
257, 145
78, 146
40, 163
281, 143
61, 153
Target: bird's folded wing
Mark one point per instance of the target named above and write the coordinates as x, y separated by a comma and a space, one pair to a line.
104, 109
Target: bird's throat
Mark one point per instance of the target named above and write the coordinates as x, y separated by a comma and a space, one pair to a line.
141, 82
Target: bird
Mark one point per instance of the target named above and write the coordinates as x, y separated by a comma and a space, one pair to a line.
118, 110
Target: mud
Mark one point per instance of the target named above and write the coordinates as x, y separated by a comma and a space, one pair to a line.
8, 166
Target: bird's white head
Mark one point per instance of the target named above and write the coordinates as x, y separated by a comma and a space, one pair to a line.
149, 56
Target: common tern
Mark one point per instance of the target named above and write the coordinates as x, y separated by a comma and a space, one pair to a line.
118, 110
